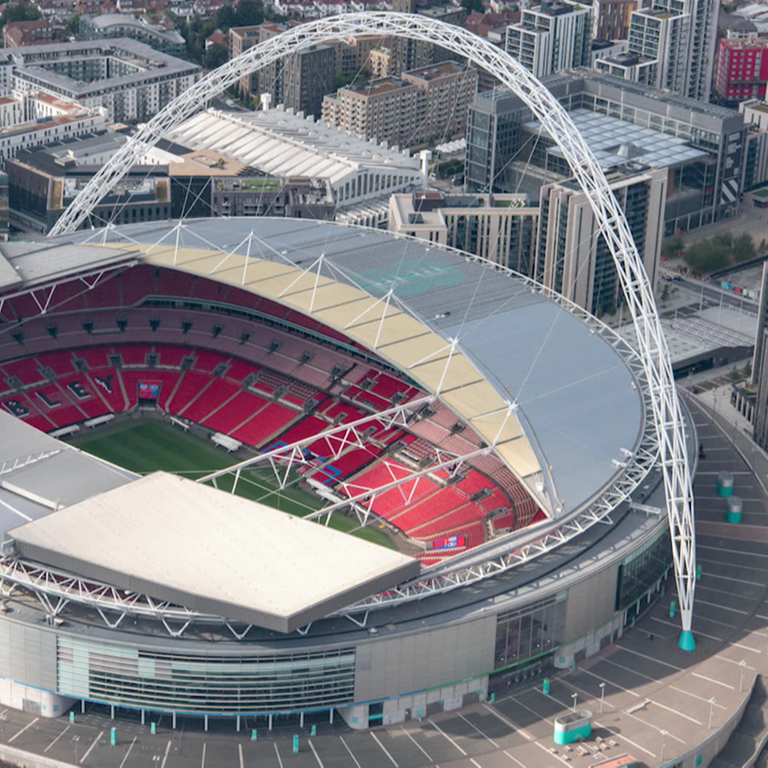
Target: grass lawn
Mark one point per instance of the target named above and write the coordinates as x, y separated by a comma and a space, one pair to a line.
145, 446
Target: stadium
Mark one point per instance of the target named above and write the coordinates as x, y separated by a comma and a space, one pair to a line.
278, 369
491, 481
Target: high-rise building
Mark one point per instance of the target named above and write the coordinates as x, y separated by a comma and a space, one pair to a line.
500, 228
241, 39
573, 257
427, 103
701, 146
611, 18
551, 37
741, 70
680, 35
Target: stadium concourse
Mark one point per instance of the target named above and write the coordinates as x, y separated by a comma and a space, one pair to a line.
499, 436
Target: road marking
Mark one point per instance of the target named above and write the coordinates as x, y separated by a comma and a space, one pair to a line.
650, 658
471, 724
16, 735
551, 754
240, 751
165, 756
314, 752
734, 551
348, 750
424, 751
475, 763
93, 744
730, 565
674, 711
626, 669
533, 711
733, 661
448, 737
128, 752
280, 759
513, 759
700, 698
706, 575
384, 749
510, 723
586, 693
710, 680
202, 764
57, 738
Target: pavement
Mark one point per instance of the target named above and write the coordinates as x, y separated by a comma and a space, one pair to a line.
658, 702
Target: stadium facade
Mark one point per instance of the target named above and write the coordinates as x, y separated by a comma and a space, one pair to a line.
448, 377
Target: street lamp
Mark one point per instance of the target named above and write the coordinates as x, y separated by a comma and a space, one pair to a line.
712, 703
575, 697
663, 734
75, 739
602, 696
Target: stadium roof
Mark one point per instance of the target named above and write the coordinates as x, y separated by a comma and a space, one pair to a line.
214, 552
284, 144
558, 403
39, 474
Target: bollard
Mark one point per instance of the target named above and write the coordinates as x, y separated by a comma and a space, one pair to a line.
254, 735
493, 698
698, 573
733, 510
724, 484
112, 737
672, 607
71, 716
313, 730
295, 745
545, 686
152, 728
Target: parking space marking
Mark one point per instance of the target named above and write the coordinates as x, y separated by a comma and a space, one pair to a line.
551, 754
650, 658
448, 737
128, 752
624, 738
733, 661
280, 759
626, 669
698, 632
57, 738
510, 723
710, 680
533, 711
314, 752
513, 759
93, 744
348, 750
384, 749
240, 752
416, 743
700, 698
730, 578
202, 764
468, 722
165, 756
679, 714
18, 733
730, 565
564, 681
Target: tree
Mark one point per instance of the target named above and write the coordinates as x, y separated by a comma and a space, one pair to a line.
671, 246
72, 27
473, 5
743, 248
226, 18
706, 256
249, 13
19, 13
215, 56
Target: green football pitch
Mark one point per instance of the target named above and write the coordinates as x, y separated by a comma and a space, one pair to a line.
145, 446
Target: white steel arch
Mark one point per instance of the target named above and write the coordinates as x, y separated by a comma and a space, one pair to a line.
637, 290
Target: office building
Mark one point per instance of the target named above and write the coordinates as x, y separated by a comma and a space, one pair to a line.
701, 146
424, 104
551, 37
115, 25
132, 81
500, 228
741, 70
755, 114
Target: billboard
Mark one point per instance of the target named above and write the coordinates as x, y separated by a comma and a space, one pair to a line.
149, 390
450, 542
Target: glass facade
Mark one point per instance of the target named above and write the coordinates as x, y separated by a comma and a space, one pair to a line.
530, 631
639, 571
205, 683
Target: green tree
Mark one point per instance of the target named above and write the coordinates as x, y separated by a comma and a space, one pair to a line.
226, 18
473, 5
706, 256
19, 13
249, 12
743, 248
72, 27
214, 56
670, 246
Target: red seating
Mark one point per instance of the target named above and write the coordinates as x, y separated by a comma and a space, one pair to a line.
469, 513
473, 482
205, 360
105, 294
386, 386
106, 383
137, 283
239, 409
240, 369
79, 390
95, 358
56, 407
264, 424
171, 356
445, 500
59, 362
308, 426
214, 395
348, 463
191, 384
133, 354
173, 283
208, 289
167, 379
25, 370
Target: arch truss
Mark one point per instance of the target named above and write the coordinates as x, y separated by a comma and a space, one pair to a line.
612, 225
